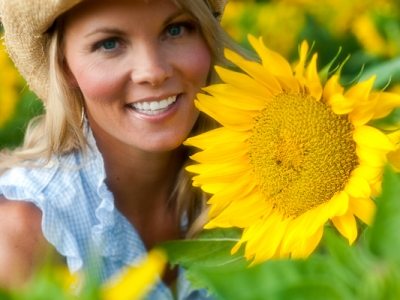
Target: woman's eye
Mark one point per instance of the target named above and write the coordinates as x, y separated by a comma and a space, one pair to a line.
175, 30
107, 45
178, 29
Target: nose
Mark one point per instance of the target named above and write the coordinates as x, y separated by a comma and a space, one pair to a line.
151, 66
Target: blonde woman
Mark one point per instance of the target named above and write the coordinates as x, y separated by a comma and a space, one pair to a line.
101, 172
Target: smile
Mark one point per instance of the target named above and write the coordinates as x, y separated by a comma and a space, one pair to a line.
153, 107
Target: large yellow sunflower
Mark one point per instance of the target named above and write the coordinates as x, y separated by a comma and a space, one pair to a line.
292, 153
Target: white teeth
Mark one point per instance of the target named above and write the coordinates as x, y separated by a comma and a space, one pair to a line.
154, 107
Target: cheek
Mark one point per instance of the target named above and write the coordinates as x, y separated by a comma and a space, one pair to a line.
196, 65
95, 82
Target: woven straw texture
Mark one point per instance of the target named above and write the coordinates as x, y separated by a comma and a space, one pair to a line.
25, 22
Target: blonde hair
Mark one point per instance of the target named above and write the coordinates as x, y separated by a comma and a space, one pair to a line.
59, 130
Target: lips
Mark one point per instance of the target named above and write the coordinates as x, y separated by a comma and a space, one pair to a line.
153, 107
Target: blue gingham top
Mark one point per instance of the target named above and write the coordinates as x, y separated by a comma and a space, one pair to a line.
79, 216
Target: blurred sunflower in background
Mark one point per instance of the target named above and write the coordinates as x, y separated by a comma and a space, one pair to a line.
292, 153
368, 30
135, 282
9, 81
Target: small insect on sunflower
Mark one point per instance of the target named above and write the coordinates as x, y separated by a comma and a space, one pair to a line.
291, 155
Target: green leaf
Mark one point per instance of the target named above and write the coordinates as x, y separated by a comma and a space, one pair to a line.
384, 233
211, 248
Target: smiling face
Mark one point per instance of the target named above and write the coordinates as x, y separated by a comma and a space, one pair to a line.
139, 65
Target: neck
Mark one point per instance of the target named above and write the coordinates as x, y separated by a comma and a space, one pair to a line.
142, 185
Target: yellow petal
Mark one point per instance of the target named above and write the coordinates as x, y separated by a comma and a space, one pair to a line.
246, 83
338, 205
371, 174
213, 173
309, 222
256, 71
233, 152
271, 60
394, 158
241, 213
385, 104
361, 91
212, 187
394, 137
371, 157
373, 138
363, 111
234, 97
358, 187
364, 209
228, 117
299, 69
305, 247
237, 191
347, 226
313, 81
332, 87
340, 104
274, 228
215, 138
257, 232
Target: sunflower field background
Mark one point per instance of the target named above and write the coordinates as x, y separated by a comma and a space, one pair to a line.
365, 34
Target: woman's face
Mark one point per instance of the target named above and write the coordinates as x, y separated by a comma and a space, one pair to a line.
139, 65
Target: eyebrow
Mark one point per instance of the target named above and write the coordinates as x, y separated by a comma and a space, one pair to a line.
108, 30
116, 31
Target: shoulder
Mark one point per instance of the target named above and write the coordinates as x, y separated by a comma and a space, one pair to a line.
40, 182
19, 214
21, 240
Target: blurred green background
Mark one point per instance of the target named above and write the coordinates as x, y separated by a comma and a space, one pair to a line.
367, 30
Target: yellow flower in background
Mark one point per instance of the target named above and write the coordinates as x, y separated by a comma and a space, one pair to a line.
233, 11
275, 18
366, 32
135, 282
291, 155
394, 156
9, 79
265, 19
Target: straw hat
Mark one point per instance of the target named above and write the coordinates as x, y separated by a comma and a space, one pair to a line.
25, 23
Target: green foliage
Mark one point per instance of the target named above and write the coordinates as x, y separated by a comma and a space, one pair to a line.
12, 133
383, 237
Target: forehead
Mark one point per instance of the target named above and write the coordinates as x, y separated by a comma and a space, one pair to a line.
99, 8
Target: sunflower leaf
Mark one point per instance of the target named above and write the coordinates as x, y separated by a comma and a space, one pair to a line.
383, 235
210, 248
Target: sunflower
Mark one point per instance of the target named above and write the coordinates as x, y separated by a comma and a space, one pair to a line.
292, 154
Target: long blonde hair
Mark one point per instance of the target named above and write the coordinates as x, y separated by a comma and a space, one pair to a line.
59, 130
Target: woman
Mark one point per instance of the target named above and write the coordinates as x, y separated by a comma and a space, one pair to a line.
101, 172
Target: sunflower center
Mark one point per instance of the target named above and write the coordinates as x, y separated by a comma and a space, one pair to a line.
301, 152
